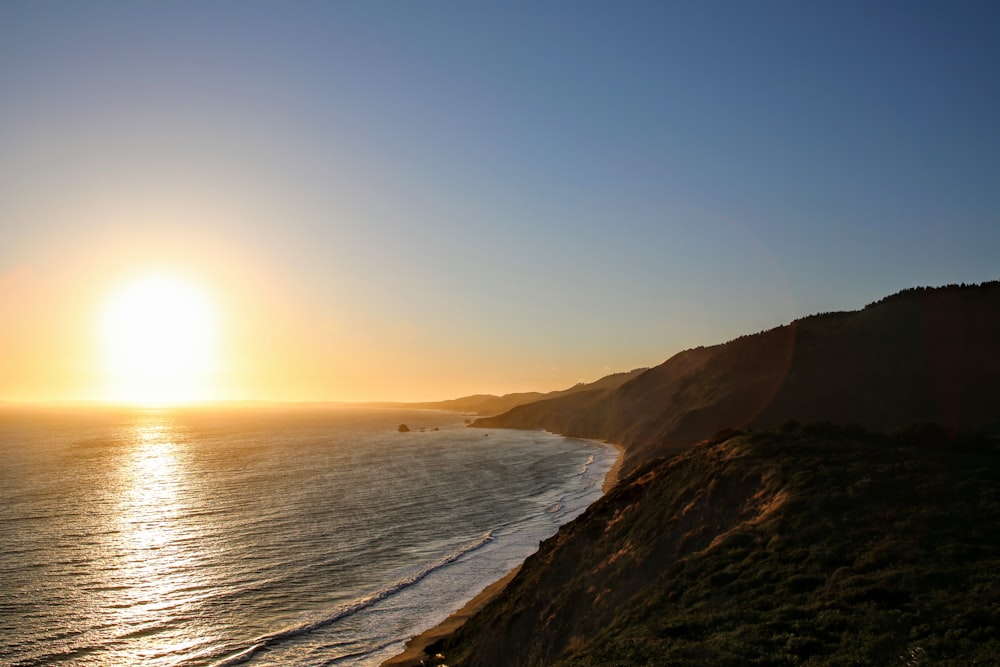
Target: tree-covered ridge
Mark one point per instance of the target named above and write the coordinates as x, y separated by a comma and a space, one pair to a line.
952, 288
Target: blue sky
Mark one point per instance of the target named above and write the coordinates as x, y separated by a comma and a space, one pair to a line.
440, 198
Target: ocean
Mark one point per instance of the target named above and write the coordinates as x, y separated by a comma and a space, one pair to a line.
262, 535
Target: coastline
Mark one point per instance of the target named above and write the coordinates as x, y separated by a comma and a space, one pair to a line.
413, 654
614, 473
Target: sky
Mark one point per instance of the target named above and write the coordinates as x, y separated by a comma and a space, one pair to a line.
423, 200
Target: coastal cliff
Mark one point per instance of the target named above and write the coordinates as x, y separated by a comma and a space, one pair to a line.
816, 545
772, 507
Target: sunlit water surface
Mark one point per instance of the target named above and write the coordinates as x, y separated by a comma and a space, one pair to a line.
262, 536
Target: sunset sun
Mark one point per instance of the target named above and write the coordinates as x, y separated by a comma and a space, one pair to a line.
159, 337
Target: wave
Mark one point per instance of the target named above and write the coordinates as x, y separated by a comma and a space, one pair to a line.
586, 466
361, 654
353, 606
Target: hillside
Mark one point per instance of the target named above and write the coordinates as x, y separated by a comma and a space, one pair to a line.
844, 541
920, 355
813, 545
488, 404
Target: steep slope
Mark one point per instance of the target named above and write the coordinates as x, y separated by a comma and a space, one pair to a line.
920, 355
815, 546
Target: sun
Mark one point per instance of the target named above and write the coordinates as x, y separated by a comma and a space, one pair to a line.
159, 336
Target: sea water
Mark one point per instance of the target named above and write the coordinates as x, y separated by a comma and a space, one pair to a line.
262, 535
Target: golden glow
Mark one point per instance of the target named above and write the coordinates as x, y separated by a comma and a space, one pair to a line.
151, 567
159, 334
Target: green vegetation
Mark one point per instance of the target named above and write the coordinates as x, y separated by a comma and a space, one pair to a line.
805, 545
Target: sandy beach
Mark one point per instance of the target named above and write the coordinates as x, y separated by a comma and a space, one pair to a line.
414, 651
612, 477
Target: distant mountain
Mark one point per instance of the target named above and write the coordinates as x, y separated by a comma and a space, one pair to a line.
816, 545
926, 354
488, 404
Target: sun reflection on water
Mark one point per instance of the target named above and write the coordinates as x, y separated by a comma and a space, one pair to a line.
151, 501
156, 571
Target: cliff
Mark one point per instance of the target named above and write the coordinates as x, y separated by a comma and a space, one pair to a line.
846, 540
920, 355
813, 545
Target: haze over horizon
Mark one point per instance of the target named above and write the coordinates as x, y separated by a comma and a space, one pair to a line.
401, 201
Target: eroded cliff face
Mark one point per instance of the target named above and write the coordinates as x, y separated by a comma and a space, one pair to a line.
815, 543
580, 580
930, 355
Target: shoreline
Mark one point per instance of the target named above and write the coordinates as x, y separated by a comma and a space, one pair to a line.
613, 475
413, 654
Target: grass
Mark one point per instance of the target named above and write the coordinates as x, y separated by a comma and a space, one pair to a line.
808, 545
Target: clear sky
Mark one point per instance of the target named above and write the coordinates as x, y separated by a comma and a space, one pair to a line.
421, 200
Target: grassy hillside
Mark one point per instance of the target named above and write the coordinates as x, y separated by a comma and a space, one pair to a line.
920, 355
814, 545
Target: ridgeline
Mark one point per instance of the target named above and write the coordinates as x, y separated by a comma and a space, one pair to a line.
489, 404
922, 355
